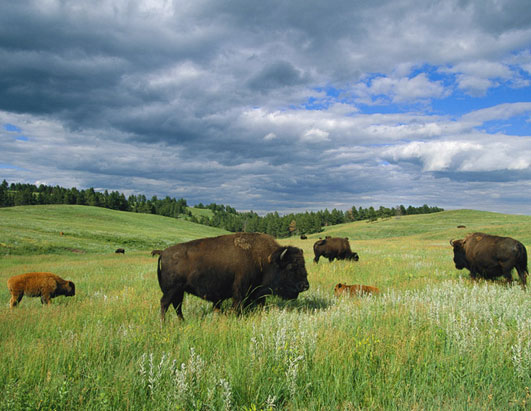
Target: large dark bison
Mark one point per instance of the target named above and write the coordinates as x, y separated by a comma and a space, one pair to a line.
489, 256
44, 285
334, 247
244, 266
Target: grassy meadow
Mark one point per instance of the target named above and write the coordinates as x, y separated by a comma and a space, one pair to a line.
431, 340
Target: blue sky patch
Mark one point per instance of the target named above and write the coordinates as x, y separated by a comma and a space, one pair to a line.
9, 166
12, 128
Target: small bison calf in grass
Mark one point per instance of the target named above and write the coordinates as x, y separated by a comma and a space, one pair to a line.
44, 285
356, 289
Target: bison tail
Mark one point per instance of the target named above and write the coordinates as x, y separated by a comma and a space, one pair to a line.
521, 264
159, 267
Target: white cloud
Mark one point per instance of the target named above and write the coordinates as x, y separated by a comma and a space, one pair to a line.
474, 86
435, 156
493, 154
315, 135
497, 112
270, 136
398, 90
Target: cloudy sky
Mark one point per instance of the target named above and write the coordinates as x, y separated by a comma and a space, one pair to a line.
272, 105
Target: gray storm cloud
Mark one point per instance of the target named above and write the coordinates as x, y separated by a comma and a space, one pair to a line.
270, 106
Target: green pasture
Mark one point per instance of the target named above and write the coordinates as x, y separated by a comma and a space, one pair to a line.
201, 212
431, 340
37, 230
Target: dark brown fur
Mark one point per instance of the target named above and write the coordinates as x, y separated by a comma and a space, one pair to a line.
244, 266
120, 251
354, 290
334, 247
44, 285
489, 256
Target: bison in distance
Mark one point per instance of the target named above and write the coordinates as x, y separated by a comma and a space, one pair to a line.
334, 247
488, 256
244, 266
44, 285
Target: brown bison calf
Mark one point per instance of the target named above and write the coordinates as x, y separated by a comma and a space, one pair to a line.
44, 285
355, 289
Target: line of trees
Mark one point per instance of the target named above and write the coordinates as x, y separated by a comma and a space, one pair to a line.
18, 194
300, 223
223, 216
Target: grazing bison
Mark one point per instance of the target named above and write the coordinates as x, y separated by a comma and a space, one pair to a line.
44, 285
353, 290
119, 251
461, 226
244, 266
303, 237
489, 256
334, 247
156, 252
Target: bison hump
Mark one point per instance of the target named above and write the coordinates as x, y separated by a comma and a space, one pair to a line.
242, 242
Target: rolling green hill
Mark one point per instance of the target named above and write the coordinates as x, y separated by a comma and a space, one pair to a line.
37, 230
442, 225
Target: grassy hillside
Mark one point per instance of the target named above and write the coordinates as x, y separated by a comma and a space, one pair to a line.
431, 340
201, 212
441, 225
36, 230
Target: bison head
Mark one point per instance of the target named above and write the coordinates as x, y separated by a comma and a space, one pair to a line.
459, 254
354, 256
339, 289
286, 273
69, 289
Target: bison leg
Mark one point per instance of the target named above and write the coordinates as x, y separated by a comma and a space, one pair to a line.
507, 269
177, 303
15, 299
45, 299
216, 307
168, 298
508, 277
522, 273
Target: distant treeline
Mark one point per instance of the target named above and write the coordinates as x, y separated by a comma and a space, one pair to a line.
223, 216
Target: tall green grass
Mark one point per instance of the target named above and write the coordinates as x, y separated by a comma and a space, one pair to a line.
431, 340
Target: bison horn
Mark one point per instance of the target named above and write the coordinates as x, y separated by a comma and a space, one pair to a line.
283, 254
452, 243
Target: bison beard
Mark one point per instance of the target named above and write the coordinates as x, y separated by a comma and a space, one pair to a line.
245, 267
488, 256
